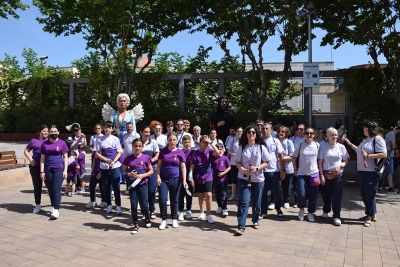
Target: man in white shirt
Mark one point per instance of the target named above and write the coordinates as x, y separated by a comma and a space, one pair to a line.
300, 135
273, 172
128, 138
196, 137
180, 133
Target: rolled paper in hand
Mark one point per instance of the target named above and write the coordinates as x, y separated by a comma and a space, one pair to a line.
135, 183
365, 160
187, 190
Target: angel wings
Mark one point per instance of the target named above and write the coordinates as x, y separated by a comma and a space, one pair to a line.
137, 111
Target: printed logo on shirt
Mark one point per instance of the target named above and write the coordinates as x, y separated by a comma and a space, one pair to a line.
175, 158
222, 164
141, 163
58, 148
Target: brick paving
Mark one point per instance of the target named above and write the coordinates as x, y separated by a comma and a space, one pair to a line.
82, 237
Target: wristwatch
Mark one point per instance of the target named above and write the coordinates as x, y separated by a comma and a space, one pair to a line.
257, 169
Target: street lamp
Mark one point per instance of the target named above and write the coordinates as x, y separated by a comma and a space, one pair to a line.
308, 90
43, 59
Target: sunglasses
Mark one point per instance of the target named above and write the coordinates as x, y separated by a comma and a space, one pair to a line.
259, 125
251, 132
308, 133
179, 125
300, 129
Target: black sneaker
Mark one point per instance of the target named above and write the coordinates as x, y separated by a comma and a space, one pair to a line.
280, 213
391, 191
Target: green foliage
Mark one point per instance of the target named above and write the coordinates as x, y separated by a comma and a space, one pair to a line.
8, 8
366, 95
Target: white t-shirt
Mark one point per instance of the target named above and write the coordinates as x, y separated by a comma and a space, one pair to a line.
229, 140
333, 156
308, 154
179, 144
274, 147
149, 148
297, 140
127, 142
75, 147
390, 138
233, 147
216, 141
288, 149
108, 142
93, 139
162, 140
367, 145
252, 155
196, 146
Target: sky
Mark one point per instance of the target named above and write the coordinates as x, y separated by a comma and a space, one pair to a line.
62, 50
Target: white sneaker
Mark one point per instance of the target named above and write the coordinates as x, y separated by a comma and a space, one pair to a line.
119, 210
310, 217
148, 224
301, 215
152, 216
210, 219
224, 213
91, 205
232, 198
271, 206
188, 214
168, 203
55, 214
201, 217
109, 208
324, 215
180, 217
286, 206
162, 225
52, 210
143, 217
37, 209
219, 210
103, 205
256, 225
337, 222
175, 223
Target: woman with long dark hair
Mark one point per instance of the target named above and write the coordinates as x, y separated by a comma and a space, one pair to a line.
251, 158
34, 161
53, 168
341, 130
372, 148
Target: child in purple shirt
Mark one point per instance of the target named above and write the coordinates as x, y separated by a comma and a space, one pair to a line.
221, 166
140, 167
200, 170
81, 174
73, 171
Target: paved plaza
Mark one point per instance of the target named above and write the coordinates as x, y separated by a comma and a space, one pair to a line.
82, 237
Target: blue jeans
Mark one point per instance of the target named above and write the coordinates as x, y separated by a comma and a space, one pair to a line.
244, 201
54, 180
37, 183
331, 194
368, 188
139, 193
111, 178
220, 194
306, 191
152, 191
173, 186
271, 183
92, 188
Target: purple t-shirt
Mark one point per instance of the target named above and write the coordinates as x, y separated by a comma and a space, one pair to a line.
72, 164
202, 172
34, 145
53, 153
171, 162
188, 155
81, 161
140, 165
220, 164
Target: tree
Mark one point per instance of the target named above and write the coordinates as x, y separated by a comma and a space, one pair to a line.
121, 31
252, 23
8, 8
371, 23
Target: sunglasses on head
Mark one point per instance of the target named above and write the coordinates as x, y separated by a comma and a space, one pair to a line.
309, 133
251, 132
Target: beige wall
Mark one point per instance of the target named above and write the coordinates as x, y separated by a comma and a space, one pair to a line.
338, 103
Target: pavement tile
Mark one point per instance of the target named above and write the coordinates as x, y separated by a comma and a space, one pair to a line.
83, 237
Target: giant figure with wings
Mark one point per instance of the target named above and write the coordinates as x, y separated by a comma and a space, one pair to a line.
122, 116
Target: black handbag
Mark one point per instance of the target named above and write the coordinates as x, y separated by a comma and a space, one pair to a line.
379, 163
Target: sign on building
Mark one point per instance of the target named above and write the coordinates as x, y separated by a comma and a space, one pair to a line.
311, 75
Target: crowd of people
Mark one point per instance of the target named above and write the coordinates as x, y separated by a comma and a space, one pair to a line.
261, 163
